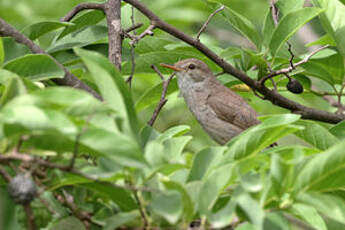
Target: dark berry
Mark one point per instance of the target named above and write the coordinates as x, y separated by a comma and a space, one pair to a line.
22, 189
294, 86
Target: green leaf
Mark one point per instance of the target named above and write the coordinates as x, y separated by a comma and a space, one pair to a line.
114, 146
338, 130
324, 172
316, 135
256, 138
112, 87
89, 18
2, 52
212, 187
32, 118
152, 95
310, 215
324, 40
14, 88
35, 67
188, 206
36, 30
80, 38
249, 207
287, 6
329, 68
326, 204
275, 221
202, 161
120, 196
175, 131
243, 25
333, 21
268, 28
68, 223
246, 226
173, 148
72, 101
167, 204
120, 219
289, 24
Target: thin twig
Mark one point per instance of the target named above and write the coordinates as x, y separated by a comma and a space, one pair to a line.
142, 211
148, 31
77, 142
204, 26
163, 100
7, 177
130, 78
291, 68
292, 55
133, 19
81, 7
134, 27
30, 218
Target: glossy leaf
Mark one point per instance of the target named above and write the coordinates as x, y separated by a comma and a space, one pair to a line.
80, 38
36, 30
333, 21
14, 88
67, 223
188, 206
316, 135
89, 18
212, 187
328, 205
289, 25
243, 25
203, 160
34, 67
120, 219
310, 215
323, 172
112, 87
338, 130
255, 139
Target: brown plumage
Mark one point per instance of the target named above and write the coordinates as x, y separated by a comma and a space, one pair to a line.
220, 111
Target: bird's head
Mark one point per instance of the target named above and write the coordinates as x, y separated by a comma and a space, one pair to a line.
191, 68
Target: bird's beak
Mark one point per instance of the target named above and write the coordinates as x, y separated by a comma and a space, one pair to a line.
171, 67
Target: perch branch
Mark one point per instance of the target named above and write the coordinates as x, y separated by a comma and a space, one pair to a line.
68, 80
273, 96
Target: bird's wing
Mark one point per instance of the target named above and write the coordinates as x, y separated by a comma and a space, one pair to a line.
232, 108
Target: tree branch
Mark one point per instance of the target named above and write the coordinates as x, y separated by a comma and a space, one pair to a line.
112, 10
81, 7
68, 80
272, 95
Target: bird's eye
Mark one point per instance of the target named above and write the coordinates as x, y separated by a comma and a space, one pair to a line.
191, 66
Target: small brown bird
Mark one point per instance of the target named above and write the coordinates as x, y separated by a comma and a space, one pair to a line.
221, 112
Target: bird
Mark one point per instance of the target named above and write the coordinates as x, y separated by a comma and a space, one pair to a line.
221, 112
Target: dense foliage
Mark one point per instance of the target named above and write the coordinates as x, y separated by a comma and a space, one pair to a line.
126, 173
